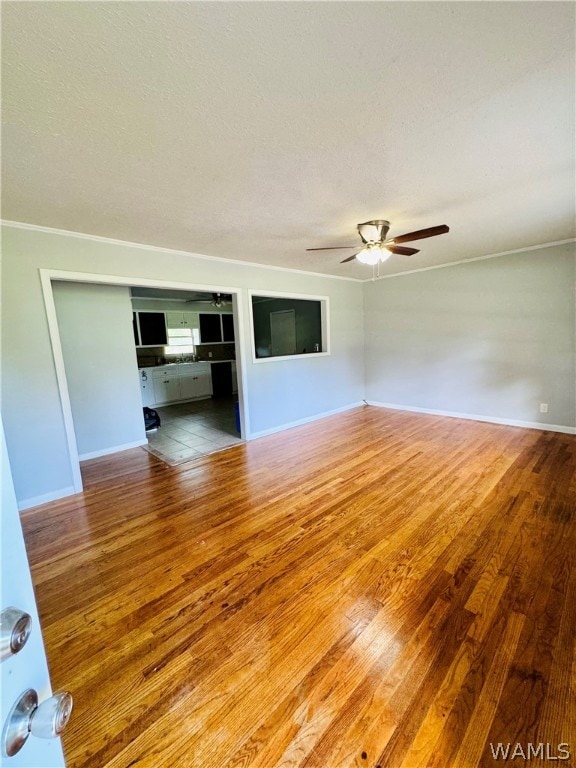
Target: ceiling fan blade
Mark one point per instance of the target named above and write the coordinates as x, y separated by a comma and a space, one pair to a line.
420, 234
349, 258
402, 250
333, 248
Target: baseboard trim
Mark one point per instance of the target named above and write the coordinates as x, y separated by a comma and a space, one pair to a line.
477, 417
108, 451
307, 420
35, 501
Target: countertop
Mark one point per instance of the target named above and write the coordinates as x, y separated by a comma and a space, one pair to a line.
174, 365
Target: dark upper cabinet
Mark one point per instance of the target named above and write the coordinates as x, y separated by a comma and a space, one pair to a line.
228, 327
152, 328
215, 327
135, 329
210, 328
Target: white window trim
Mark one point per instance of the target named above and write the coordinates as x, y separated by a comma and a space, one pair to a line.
324, 320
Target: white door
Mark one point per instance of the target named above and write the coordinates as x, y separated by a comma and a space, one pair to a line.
283, 332
26, 669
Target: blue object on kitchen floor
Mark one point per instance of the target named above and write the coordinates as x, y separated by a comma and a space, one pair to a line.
237, 415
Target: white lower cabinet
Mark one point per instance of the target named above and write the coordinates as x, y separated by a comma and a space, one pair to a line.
147, 387
188, 381
148, 396
196, 386
167, 390
205, 384
188, 387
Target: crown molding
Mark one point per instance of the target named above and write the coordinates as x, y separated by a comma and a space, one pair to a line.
474, 258
224, 260
173, 251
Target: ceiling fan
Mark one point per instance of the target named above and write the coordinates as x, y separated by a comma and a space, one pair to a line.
215, 300
377, 248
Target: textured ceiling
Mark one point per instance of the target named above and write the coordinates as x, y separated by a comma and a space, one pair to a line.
254, 130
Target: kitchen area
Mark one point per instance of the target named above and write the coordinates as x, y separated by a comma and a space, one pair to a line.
185, 347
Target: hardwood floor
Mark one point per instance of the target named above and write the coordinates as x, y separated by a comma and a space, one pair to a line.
375, 589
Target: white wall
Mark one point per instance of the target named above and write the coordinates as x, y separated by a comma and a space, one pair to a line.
95, 324
278, 393
489, 338
492, 338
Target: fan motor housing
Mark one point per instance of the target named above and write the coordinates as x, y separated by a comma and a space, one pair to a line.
373, 231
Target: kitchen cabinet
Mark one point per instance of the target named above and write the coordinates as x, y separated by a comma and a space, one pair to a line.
188, 388
135, 329
176, 383
152, 329
227, 327
204, 384
195, 386
166, 390
210, 328
195, 380
182, 320
147, 387
234, 378
216, 327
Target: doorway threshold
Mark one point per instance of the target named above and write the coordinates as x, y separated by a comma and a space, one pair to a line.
191, 430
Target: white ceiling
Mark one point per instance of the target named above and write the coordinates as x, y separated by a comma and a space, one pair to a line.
253, 130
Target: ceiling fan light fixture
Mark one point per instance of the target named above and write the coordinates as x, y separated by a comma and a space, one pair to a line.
373, 253
369, 255
384, 254
218, 301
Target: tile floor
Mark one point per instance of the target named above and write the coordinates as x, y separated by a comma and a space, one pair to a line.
193, 429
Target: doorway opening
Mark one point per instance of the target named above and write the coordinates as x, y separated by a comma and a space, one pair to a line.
185, 347
207, 353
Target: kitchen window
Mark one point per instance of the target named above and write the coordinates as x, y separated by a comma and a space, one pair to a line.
182, 341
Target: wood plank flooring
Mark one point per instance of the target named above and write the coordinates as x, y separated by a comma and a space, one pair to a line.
375, 589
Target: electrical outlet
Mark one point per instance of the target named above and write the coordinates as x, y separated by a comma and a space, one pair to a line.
543, 407
210, 355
